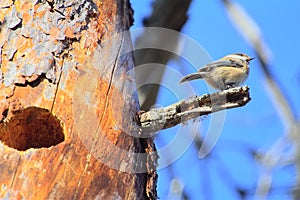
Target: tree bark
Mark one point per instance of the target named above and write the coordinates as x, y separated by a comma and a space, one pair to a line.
68, 106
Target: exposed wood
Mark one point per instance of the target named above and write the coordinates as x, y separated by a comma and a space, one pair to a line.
182, 111
65, 59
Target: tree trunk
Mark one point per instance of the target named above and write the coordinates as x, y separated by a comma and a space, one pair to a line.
67, 103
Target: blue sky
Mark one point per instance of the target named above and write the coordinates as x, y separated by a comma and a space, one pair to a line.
253, 127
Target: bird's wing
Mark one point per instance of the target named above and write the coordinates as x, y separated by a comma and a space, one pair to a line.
220, 63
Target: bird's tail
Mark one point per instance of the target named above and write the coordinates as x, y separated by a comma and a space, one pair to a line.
191, 77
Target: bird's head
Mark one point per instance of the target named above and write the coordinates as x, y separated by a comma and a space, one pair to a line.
240, 56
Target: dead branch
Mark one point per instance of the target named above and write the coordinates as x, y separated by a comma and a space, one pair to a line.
170, 14
182, 111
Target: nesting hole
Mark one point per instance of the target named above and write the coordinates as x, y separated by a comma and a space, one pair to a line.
31, 127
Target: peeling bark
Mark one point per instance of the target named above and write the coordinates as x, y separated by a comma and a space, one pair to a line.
65, 60
185, 110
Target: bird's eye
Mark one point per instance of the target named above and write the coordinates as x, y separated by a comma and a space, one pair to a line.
239, 54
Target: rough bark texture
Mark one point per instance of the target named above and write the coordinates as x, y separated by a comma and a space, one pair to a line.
161, 118
68, 105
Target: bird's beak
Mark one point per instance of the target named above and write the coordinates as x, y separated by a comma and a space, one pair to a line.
249, 59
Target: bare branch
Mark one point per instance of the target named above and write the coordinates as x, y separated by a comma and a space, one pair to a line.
251, 32
171, 14
182, 111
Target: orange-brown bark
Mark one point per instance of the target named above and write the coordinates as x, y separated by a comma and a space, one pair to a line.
67, 108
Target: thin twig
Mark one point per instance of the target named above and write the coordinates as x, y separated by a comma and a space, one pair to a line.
251, 32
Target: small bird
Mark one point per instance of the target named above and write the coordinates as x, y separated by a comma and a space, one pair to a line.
228, 72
